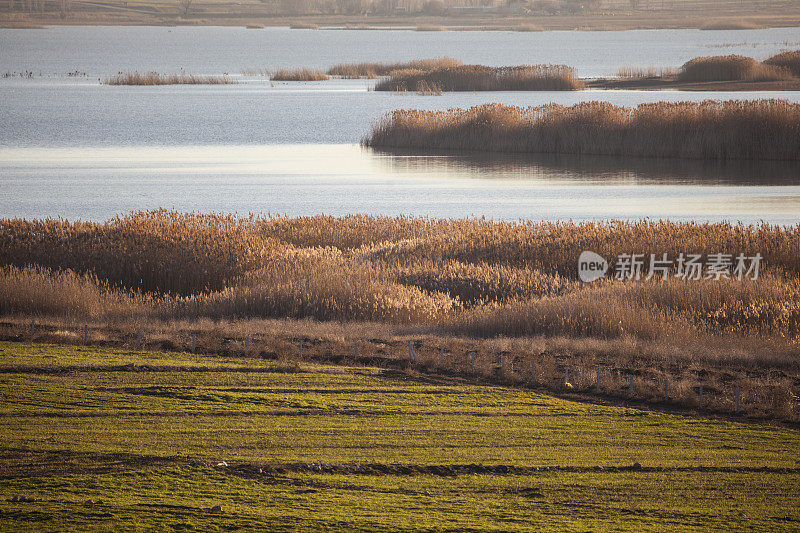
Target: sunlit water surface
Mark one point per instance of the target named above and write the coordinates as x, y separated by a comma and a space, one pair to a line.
71, 147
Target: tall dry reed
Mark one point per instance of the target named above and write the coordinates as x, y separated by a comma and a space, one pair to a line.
730, 68
761, 129
157, 78
298, 74
789, 60
482, 78
374, 70
476, 275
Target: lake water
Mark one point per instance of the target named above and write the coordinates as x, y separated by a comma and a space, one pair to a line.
71, 147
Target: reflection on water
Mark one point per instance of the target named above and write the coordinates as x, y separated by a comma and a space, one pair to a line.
98, 183
595, 168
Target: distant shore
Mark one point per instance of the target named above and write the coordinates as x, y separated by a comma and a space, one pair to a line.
614, 21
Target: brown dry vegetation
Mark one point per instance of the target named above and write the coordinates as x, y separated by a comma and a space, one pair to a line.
303, 26
298, 74
527, 27
157, 78
717, 73
789, 60
762, 129
451, 282
482, 78
406, 270
374, 70
730, 68
731, 25
636, 73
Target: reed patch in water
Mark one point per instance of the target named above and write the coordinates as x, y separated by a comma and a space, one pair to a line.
640, 73
374, 69
761, 129
483, 78
789, 60
730, 68
298, 74
157, 78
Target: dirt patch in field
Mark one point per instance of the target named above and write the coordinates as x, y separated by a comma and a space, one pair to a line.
376, 469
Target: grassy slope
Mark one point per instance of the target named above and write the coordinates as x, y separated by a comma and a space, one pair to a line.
131, 438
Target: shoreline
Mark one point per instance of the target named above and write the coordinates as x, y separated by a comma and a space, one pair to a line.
623, 21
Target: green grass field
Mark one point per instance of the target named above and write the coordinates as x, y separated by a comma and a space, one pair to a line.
144, 432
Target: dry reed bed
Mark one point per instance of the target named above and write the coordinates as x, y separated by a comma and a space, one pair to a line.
730, 68
638, 73
789, 60
762, 129
502, 289
482, 78
157, 78
781, 67
298, 74
470, 276
375, 70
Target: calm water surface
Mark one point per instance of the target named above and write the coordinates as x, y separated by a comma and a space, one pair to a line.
71, 147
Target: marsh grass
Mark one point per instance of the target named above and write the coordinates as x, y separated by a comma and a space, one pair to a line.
374, 70
156, 78
482, 78
789, 60
498, 288
730, 68
760, 129
430, 27
638, 73
303, 26
298, 74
